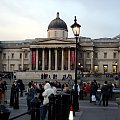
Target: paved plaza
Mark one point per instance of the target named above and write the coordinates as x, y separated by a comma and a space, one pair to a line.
88, 111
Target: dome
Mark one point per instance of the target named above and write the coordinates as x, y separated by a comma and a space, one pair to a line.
57, 24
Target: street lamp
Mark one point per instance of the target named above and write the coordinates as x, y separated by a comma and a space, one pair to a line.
76, 31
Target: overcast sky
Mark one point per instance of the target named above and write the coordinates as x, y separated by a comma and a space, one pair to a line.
29, 19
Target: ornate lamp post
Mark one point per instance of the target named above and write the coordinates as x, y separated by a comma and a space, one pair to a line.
76, 31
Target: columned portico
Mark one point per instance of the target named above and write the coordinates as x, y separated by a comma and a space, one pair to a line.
51, 59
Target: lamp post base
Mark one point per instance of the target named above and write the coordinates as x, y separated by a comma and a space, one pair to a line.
75, 101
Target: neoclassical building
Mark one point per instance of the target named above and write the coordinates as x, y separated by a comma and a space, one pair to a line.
55, 55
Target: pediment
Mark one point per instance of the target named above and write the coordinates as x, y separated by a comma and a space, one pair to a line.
52, 41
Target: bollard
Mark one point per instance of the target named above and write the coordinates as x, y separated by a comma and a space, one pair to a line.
35, 109
72, 99
51, 108
4, 113
62, 106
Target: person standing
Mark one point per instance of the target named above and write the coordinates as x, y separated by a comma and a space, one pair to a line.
48, 91
105, 93
30, 94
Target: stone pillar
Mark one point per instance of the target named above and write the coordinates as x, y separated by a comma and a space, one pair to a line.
43, 62
91, 61
30, 60
68, 59
22, 64
36, 59
49, 59
118, 102
55, 59
62, 67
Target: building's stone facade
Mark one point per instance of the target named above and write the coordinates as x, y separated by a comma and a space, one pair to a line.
56, 54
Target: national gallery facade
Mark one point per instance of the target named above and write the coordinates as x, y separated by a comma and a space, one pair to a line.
55, 55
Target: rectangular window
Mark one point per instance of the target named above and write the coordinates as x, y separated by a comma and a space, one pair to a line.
95, 55
88, 55
4, 55
105, 55
114, 55
20, 55
26, 55
114, 68
19, 67
12, 67
96, 68
12, 55
105, 68
4, 67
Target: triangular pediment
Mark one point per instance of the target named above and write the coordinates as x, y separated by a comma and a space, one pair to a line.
53, 41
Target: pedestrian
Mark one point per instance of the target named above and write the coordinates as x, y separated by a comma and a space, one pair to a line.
48, 91
14, 99
87, 89
110, 89
92, 90
105, 93
66, 88
22, 88
41, 90
78, 88
30, 94
81, 90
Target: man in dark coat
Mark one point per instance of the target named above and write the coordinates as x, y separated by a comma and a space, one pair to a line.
105, 93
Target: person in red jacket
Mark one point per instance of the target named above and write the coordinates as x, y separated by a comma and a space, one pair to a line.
87, 89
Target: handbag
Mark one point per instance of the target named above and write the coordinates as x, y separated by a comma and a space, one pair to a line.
93, 98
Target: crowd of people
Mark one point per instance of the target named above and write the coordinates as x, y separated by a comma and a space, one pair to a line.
42, 90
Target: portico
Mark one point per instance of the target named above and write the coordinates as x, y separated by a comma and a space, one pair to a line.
53, 58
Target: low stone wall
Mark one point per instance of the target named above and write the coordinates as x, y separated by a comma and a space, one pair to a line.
37, 74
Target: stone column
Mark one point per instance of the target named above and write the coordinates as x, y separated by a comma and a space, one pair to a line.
91, 61
43, 63
68, 59
55, 59
22, 65
30, 60
36, 59
49, 59
62, 67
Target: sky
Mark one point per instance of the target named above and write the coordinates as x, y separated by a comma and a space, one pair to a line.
29, 19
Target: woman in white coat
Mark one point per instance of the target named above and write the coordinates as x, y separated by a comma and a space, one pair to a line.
48, 91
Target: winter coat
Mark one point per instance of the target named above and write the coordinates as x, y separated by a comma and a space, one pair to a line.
48, 91
105, 90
